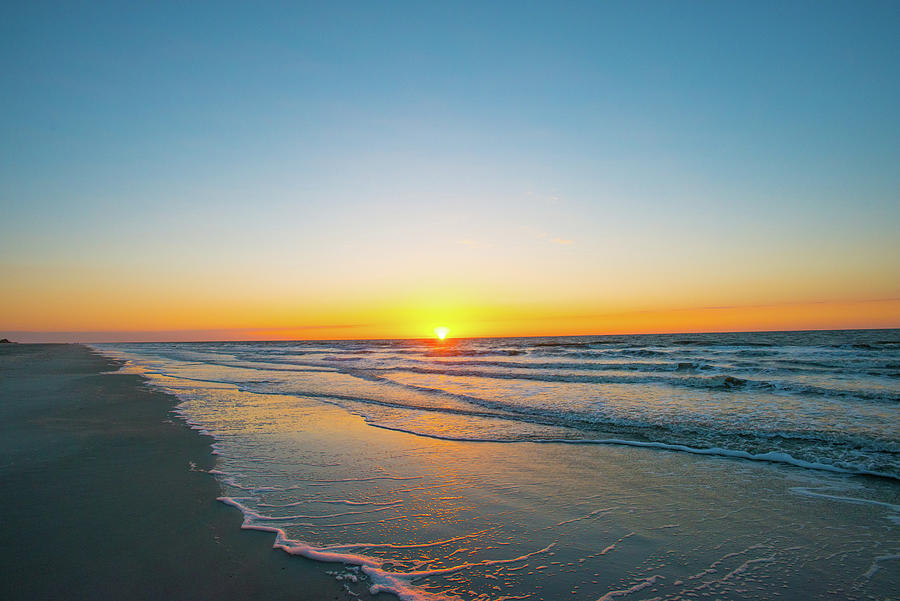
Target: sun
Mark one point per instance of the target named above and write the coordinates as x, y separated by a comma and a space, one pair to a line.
441, 332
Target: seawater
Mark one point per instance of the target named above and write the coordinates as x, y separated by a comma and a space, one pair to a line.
794, 417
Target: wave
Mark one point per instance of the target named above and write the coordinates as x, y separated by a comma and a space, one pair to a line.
715, 382
382, 580
860, 448
593, 420
579, 344
658, 435
817, 450
451, 352
808, 492
570, 365
696, 342
768, 457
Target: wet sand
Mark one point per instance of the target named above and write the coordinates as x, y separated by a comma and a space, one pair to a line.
105, 495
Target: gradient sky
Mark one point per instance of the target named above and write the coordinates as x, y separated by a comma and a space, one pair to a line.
354, 170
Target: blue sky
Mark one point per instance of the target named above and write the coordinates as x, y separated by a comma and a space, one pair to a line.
603, 152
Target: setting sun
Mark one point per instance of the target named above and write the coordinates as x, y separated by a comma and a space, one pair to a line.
665, 235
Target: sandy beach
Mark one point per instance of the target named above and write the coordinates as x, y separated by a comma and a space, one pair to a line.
106, 496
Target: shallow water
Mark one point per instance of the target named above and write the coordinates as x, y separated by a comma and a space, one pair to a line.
825, 398
694, 492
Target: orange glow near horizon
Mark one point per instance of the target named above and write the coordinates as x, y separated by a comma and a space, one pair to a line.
488, 321
554, 291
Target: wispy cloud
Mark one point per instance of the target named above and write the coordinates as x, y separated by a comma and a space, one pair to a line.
552, 239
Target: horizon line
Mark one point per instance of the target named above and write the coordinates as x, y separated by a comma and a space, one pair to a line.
428, 338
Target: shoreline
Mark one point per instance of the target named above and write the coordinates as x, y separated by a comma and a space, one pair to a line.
108, 495
106, 488
538, 521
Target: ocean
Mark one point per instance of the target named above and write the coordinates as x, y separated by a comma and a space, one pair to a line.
673, 466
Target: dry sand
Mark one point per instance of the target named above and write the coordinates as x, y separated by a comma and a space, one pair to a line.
105, 496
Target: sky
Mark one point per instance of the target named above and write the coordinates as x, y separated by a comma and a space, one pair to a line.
184, 171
